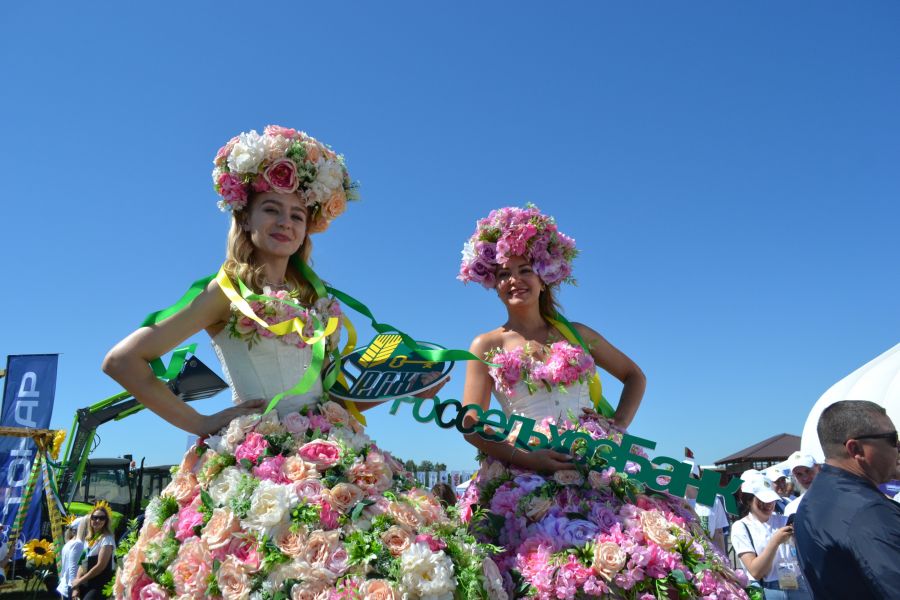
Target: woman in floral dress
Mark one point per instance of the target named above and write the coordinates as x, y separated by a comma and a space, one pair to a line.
568, 529
298, 503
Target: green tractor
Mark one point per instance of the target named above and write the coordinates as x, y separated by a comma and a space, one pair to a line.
83, 481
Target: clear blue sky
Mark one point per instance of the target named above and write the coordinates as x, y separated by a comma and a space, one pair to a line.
728, 169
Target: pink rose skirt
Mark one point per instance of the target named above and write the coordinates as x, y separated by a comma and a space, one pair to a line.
585, 533
303, 507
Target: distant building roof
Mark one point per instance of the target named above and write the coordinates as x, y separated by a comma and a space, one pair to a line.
774, 449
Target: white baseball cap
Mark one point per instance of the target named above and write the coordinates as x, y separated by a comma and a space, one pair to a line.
774, 473
800, 460
761, 488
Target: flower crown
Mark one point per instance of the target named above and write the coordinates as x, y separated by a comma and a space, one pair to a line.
514, 231
104, 505
287, 161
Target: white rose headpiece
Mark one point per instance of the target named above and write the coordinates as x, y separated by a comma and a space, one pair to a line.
283, 160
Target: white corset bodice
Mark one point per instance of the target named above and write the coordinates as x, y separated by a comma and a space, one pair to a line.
265, 370
541, 403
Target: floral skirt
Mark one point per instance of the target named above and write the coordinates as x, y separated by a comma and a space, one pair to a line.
303, 507
593, 533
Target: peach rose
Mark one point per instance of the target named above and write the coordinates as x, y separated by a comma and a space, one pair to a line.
345, 496
191, 568
396, 539
494, 470
311, 590
335, 413
269, 424
609, 558
404, 515
189, 460
233, 580
313, 152
292, 543
335, 205
568, 477
318, 225
220, 528
537, 507
658, 529
183, 487
297, 469
372, 476
378, 589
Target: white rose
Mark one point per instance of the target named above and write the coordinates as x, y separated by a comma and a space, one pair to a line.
276, 146
223, 488
247, 153
329, 175
426, 574
269, 505
356, 441
493, 581
235, 433
468, 251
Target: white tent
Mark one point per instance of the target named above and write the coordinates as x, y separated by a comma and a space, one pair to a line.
878, 381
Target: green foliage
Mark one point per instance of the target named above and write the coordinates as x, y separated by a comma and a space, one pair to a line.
279, 443
305, 514
272, 555
240, 503
212, 586
159, 556
168, 506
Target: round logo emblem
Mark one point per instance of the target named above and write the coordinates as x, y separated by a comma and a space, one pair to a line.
387, 369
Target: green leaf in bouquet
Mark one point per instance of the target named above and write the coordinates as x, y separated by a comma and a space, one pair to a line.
360, 506
247, 464
168, 506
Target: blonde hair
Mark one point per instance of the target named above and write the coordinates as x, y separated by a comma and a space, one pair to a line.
240, 261
107, 525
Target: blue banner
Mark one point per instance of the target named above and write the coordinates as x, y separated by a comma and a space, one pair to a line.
28, 395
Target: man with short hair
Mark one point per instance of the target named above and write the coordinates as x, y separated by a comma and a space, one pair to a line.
847, 531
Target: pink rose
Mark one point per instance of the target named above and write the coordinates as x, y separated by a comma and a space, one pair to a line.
322, 453
191, 568
295, 423
246, 551
224, 151
233, 191
434, 544
328, 517
153, 592
319, 422
233, 580
313, 152
260, 185
253, 446
286, 132
188, 519
282, 176
271, 469
310, 490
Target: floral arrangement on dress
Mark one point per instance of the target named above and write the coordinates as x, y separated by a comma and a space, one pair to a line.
305, 507
514, 231
283, 160
279, 306
593, 533
564, 365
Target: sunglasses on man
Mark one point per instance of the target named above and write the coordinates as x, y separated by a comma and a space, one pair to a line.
890, 436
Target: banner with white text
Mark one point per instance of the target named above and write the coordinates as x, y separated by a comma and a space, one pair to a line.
28, 394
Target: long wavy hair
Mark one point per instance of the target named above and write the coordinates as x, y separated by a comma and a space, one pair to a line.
548, 305
240, 260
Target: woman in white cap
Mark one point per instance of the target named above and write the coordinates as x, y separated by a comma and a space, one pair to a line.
763, 542
803, 471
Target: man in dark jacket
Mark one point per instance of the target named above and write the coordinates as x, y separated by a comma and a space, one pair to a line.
847, 531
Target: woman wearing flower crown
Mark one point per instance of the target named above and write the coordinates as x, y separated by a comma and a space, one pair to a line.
568, 529
298, 503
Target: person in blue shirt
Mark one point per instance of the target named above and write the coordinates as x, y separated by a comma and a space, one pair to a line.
847, 531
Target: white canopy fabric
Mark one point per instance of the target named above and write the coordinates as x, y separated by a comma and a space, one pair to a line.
877, 381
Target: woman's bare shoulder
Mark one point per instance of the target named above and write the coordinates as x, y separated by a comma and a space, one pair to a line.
487, 341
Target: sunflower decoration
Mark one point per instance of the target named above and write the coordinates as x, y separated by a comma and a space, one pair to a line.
58, 438
104, 505
39, 552
69, 519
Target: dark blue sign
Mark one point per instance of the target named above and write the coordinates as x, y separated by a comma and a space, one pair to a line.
27, 402
387, 369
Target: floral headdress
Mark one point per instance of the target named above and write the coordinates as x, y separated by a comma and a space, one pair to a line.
104, 506
283, 160
514, 231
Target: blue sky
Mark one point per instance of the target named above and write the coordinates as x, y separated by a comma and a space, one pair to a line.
729, 171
